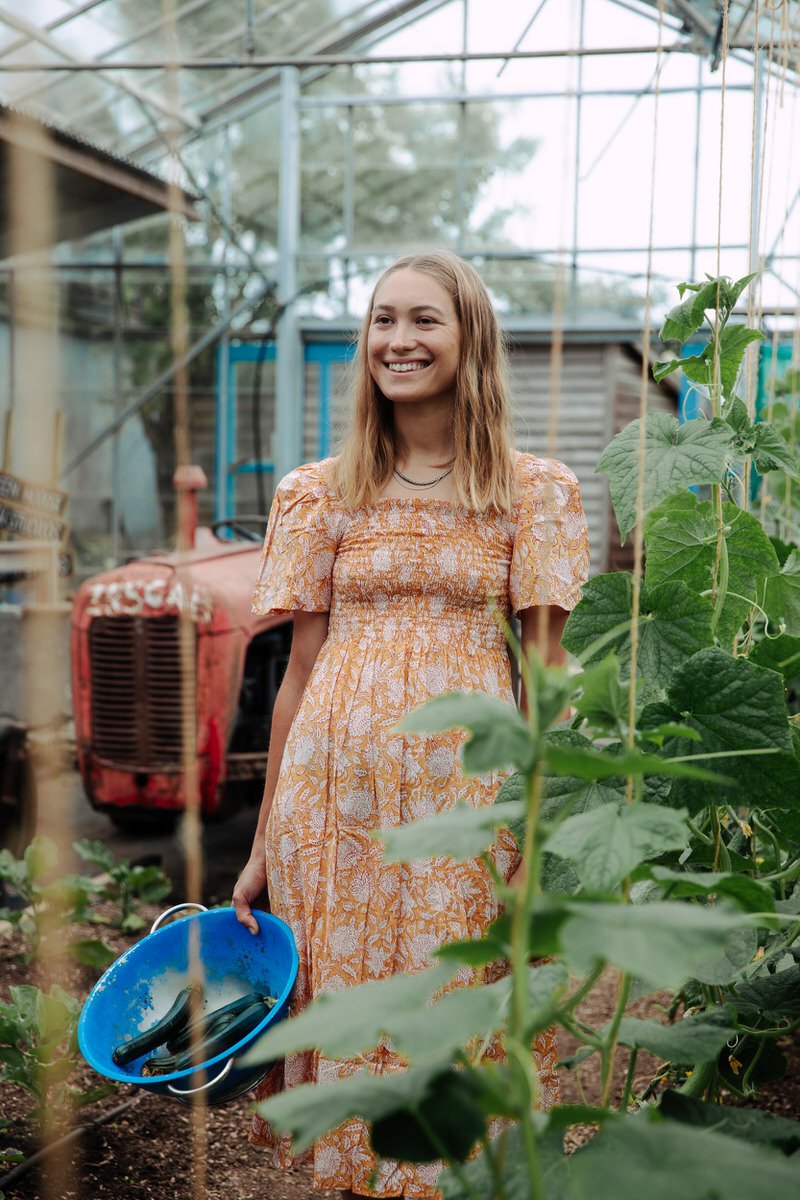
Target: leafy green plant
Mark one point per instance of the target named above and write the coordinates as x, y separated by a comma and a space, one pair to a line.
123, 884
38, 1047
661, 837
31, 877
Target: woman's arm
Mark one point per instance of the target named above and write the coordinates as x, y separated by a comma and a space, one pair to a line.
543, 628
309, 631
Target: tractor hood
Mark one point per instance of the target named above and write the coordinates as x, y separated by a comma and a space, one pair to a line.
213, 584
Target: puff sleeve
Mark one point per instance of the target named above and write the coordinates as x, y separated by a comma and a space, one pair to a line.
296, 563
550, 559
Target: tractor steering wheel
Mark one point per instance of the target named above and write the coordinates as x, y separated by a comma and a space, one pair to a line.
239, 526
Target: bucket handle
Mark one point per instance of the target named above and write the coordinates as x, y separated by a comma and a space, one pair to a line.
203, 1086
175, 908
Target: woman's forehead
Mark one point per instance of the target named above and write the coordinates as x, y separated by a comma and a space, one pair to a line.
407, 288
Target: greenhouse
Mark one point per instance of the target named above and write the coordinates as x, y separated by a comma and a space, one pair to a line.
201, 203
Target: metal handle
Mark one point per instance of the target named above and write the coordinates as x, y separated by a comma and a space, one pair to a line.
203, 1086
175, 908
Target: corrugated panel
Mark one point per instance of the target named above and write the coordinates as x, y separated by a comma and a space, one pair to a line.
582, 420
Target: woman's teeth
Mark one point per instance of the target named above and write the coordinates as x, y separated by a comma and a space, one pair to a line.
412, 366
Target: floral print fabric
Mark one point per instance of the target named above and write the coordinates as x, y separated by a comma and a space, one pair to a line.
408, 584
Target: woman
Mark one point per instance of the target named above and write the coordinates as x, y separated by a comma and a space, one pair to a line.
388, 556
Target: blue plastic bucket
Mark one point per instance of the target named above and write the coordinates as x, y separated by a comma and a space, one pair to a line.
140, 987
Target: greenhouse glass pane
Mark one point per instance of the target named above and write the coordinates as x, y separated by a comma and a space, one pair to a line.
615, 172
525, 192
411, 205
493, 26
406, 135
551, 75
322, 217
85, 37
735, 167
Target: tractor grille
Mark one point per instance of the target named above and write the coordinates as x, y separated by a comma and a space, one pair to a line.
137, 690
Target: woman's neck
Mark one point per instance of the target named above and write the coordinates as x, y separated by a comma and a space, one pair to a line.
423, 439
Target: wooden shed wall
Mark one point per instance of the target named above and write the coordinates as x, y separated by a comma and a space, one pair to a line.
598, 394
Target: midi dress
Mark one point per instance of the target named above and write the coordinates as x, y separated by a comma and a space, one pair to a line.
409, 584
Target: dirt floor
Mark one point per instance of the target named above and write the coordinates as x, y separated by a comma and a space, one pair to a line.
148, 1149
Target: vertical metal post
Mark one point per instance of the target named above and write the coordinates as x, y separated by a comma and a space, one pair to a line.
698, 113
288, 446
572, 293
461, 179
225, 453
758, 150
117, 382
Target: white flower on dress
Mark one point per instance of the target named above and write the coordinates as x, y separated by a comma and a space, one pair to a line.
302, 750
448, 560
355, 805
440, 762
327, 1160
382, 558
343, 941
436, 678
322, 564
360, 722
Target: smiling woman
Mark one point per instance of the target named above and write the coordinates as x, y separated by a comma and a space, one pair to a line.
393, 557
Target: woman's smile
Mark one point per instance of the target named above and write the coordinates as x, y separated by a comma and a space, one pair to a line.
414, 339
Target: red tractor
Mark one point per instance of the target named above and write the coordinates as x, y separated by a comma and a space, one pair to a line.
127, 677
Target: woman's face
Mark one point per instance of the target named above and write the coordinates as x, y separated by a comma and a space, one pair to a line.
414, 339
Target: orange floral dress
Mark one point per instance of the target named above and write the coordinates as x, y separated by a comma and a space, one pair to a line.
407, 583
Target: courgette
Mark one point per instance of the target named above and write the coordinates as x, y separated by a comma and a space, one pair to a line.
226, 1035
207, 1024
167, 1027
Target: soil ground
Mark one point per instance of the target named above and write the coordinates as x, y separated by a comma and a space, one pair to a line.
151, 1147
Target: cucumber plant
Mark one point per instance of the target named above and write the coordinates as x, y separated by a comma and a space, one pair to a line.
661, 838
123, 884
39, 1048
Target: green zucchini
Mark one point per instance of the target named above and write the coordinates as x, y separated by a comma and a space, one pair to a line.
167, 1027
206, 1024
226, 1035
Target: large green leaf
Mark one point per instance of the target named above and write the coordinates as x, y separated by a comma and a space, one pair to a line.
646, 1156
448, 1119
603, 701
674, 623
771, 451
508, 1152
676, 457
563, 794
460, 832
736, 707
733, 341
695, 1039
600, 764
783, 596
607, 843
686, 318
343, 1024
499, 736
311, 1110
747, 1124
682, 547
664, 944
745, 891
774, 998
731, 961
780, 653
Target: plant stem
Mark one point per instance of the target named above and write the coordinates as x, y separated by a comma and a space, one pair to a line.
626, 1094
608, 1052
700, 1079
494, 1167
520, 948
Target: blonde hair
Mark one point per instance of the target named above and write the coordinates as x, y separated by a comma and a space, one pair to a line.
483, 474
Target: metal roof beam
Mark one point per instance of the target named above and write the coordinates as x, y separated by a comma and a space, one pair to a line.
186, 10
44, 39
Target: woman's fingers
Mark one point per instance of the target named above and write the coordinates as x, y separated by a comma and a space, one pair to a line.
249, 885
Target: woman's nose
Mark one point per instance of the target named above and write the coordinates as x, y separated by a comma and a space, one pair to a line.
402, 335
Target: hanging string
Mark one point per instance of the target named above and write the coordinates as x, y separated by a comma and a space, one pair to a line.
644, 391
